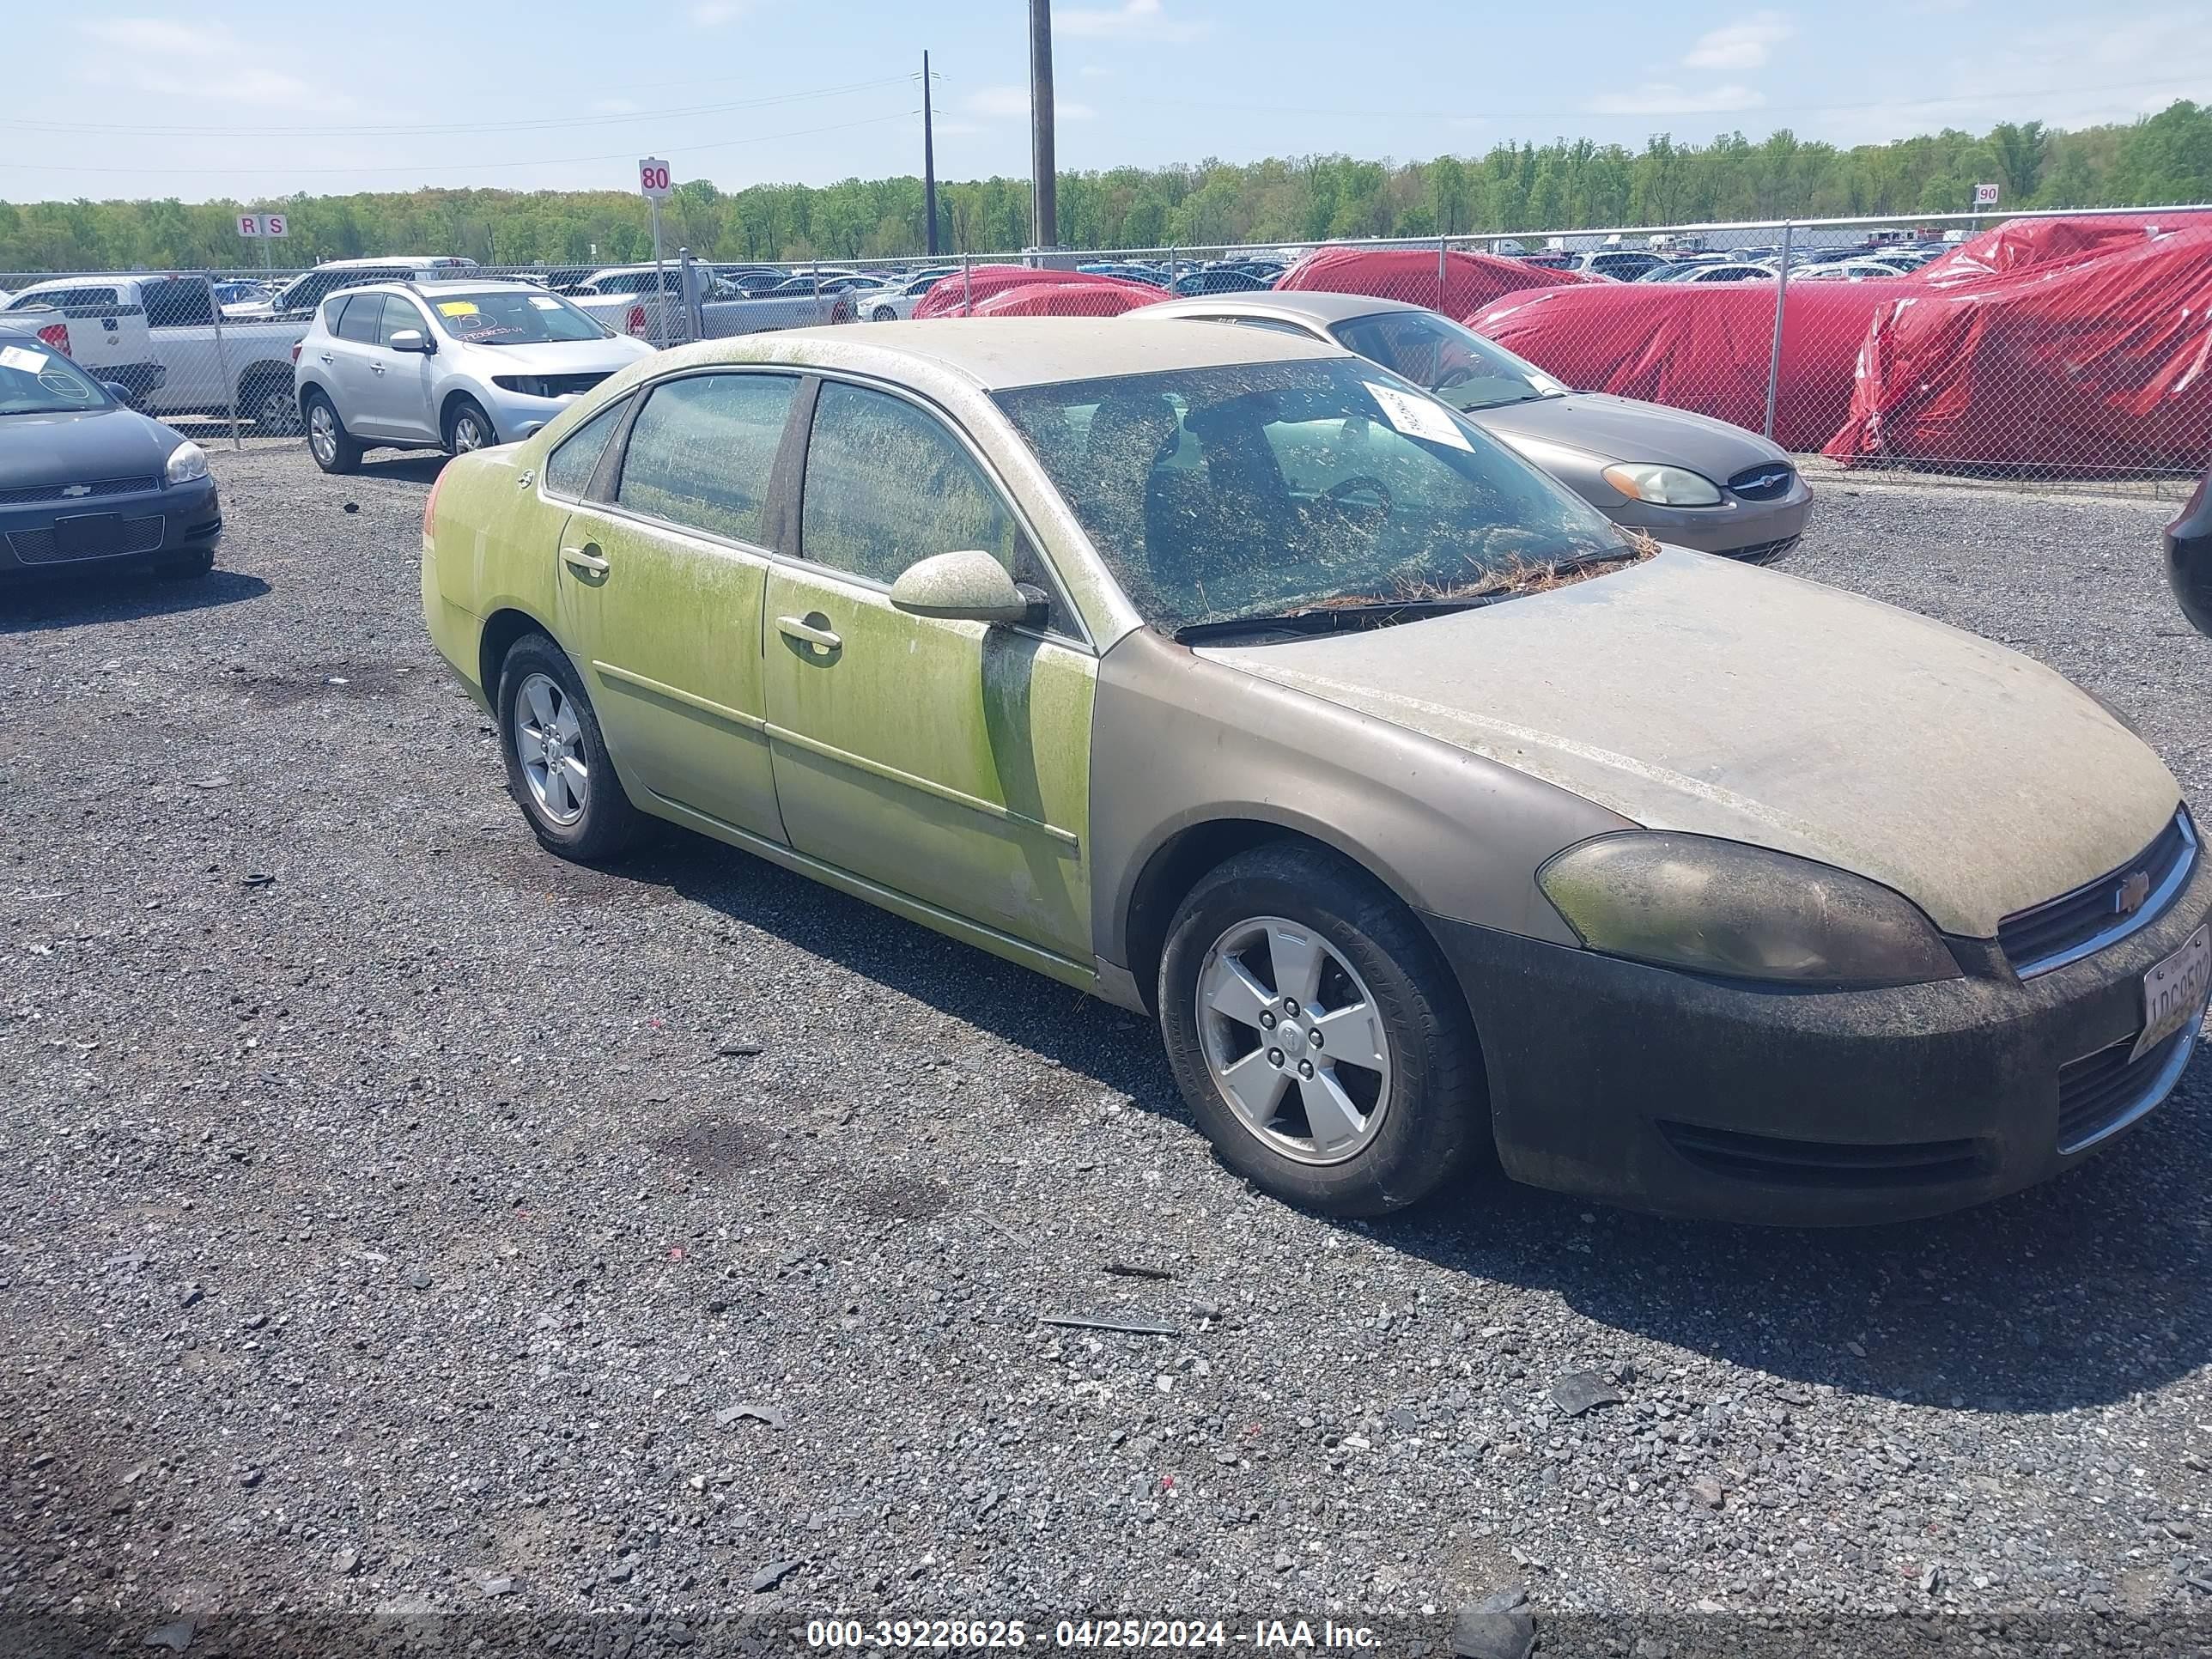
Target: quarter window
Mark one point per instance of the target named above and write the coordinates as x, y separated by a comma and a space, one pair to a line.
701, 450
569, 470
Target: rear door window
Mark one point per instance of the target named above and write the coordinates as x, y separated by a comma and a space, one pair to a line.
702, 449
363, 318
568, 469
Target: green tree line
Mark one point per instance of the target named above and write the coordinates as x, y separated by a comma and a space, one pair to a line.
1562, 185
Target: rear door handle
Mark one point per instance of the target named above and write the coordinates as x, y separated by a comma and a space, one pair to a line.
586, 560
797, 628
328, 358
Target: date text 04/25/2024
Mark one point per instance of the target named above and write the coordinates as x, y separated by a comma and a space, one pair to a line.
938, 1634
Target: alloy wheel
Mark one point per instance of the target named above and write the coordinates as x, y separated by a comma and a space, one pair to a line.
1294, 1040
468, 433
323, 432
549, 741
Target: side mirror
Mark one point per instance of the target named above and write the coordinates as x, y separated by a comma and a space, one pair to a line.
965, 586
410, 339
116, 390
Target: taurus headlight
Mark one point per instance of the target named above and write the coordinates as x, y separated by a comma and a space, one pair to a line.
1662, 486
187, 461
1720, 907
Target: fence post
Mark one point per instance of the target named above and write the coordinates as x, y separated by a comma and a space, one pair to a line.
966, 289
222, 359
695, 316
1774, 350
1442, 244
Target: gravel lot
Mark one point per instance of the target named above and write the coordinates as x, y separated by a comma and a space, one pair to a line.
398, 1219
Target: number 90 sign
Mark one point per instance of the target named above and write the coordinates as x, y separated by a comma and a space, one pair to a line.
653, 179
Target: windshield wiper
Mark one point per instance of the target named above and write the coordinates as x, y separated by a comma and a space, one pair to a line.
1335, 618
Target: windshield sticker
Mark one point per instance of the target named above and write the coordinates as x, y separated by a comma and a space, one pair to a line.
544, 302
456, 308
1416, 417
30, 362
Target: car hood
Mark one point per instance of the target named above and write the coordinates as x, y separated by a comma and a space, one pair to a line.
562, 356
1694, 694
78, 445
1622, 430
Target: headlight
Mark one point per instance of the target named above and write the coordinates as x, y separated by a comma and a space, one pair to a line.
1662, 486
528, 385
187, 461
1719, 906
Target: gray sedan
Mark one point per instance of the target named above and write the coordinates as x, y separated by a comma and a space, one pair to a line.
1685, 478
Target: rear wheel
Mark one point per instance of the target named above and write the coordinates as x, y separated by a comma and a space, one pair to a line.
467, 428
334, 448
1318, 1035
267, 401
557, 767
885, 314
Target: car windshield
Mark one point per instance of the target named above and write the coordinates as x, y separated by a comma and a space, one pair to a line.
1257, 490
35, 379
502, 317
1453, 362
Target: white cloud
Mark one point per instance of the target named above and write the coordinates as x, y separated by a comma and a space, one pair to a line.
714, 14
1740, 45
202, 60
1005, 103
1664, 98
1132, 20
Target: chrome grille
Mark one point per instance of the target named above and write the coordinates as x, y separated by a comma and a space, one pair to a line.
1768, 483
2092, 916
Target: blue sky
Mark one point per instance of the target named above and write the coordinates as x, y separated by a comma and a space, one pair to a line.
237, 98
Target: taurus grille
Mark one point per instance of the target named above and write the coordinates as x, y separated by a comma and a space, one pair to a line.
2071, 926
1770, 482
88, 488
1833, 1165
1760, 552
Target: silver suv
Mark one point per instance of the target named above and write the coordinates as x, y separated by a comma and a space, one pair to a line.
451, 365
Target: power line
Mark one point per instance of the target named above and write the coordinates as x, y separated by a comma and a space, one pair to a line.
607, 118
535, 161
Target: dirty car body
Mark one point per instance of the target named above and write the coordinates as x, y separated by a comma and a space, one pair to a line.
1223, 675
1684, 478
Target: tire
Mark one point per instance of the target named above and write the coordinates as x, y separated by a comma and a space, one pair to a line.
587, 823
268, 402
193, 561
468, 428
335, 449
1418, 1118
883, 314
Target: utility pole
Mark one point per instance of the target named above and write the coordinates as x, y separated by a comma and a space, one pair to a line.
1045, 209
928, 158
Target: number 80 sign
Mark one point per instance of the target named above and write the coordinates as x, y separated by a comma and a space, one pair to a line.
653, 179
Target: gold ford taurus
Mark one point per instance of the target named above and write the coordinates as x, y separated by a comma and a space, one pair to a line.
1223, 675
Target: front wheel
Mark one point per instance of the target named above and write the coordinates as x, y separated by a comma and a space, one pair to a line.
557, 767
885, 314
1318, 1035
469, 427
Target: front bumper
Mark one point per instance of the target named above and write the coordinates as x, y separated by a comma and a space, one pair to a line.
178, 519
1668, 1092
1759, 530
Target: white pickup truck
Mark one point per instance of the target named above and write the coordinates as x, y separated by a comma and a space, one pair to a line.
103, 332
622, 297
171, 324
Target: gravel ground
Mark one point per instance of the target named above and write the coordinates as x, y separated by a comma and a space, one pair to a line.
402, 1222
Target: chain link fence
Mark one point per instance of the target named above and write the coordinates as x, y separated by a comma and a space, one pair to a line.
2048, 346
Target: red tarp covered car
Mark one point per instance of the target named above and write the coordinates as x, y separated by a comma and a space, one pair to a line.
1094, 298
2099, 361
962, 292
1701, 346
2013, 247
1467, 283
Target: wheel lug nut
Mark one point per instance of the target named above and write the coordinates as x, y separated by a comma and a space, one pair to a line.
1314, 1037
1266, 1022
1305, 1068
1291, 1006
1274, 1056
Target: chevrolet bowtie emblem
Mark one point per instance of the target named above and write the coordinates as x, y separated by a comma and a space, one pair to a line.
2134, 889
76, 490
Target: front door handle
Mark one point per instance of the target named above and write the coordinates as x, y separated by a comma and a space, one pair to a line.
797, 628
376, 369
585, 560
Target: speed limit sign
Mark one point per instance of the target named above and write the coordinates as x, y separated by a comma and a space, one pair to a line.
653, 179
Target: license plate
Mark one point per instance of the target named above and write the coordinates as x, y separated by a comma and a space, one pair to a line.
87, 536
2175, 991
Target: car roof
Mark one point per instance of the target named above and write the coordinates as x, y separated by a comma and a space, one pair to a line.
1307, 305
997, 353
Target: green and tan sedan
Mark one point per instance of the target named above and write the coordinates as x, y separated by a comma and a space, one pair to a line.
1227, 676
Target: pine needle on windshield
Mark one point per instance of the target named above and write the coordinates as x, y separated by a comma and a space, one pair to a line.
1515, 575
